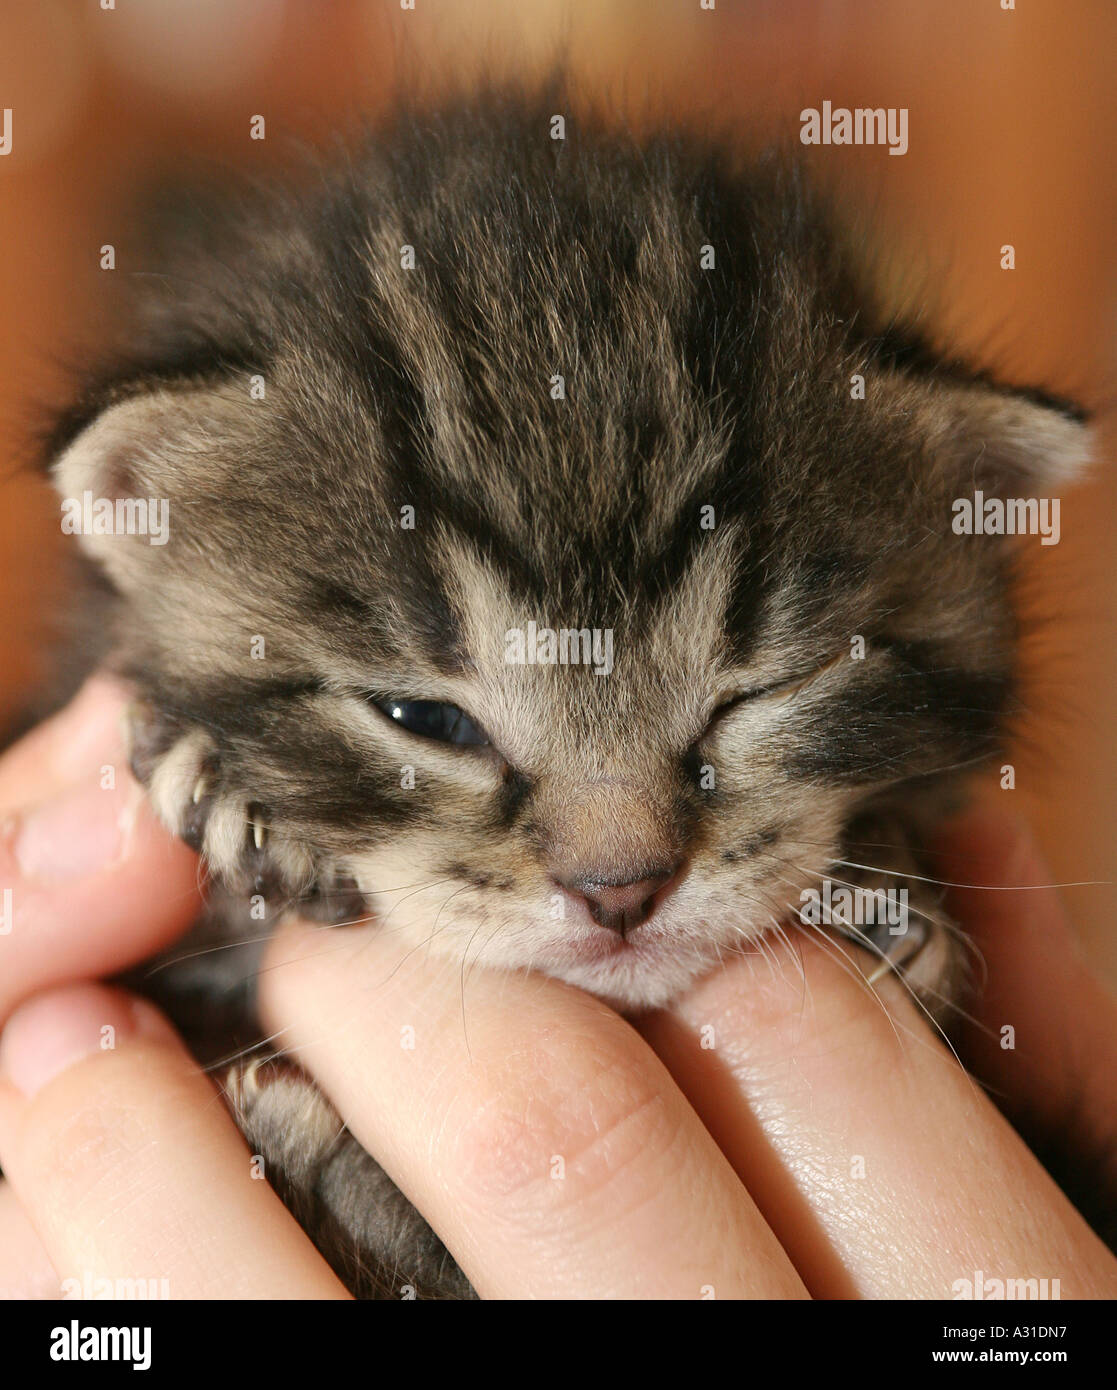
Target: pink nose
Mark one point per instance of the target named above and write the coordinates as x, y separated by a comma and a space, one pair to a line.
620, 906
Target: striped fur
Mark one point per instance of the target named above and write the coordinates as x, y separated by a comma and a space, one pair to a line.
691, 392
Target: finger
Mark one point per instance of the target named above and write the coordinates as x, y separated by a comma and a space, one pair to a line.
66, 747
128, 1165
1048, 1040
878, 1162
89, 880
25, 1267
1044, 1033
531, 1126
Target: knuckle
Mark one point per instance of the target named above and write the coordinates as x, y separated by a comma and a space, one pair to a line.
560, 1133
90, 1130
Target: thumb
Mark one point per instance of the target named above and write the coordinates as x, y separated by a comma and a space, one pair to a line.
89, 880
1044, 1035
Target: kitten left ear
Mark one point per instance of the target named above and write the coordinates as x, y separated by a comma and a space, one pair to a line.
116, 479
1009, 443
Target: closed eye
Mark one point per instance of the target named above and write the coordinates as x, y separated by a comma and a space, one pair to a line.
781, 689
434, 719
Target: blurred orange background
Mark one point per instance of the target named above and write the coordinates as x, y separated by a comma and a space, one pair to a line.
1013, 139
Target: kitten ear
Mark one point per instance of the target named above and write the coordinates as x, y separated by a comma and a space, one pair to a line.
1008, 444
117, 477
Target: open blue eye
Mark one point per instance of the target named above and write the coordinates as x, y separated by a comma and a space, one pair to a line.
434, 719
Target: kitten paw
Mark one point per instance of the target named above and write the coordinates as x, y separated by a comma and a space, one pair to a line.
284, 1116
372, 1236
912, 935
196, 799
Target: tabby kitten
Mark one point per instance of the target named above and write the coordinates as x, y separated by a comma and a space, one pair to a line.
471, 386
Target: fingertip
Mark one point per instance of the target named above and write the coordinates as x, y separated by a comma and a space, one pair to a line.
82, 737
986, 844
50, 1032
101, 897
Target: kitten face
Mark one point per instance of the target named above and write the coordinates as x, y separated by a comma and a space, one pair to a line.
795, 628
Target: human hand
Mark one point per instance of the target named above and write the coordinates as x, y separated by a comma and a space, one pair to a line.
552, 1148
128, 1164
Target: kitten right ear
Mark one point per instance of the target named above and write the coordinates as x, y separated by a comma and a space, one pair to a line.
1005, 442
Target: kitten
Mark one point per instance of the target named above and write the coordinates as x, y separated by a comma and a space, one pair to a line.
472, 385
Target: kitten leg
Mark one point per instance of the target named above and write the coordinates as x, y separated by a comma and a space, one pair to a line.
372, 1236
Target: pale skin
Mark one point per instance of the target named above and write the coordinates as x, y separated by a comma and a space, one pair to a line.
822, 1143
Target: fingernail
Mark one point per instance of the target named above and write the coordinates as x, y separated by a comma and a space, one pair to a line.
985, 845
53, 1031
1024, 862
82, 832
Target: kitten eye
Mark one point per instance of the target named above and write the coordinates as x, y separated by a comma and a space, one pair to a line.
789, 686
784, 687
434, 719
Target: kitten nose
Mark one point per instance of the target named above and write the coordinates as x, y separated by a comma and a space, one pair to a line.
620, 905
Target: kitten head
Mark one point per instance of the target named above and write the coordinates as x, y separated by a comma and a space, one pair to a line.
554, 547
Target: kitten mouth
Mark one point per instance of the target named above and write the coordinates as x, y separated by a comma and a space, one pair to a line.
588, 950
600, 945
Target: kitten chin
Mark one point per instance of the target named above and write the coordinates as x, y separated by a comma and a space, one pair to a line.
399, 417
